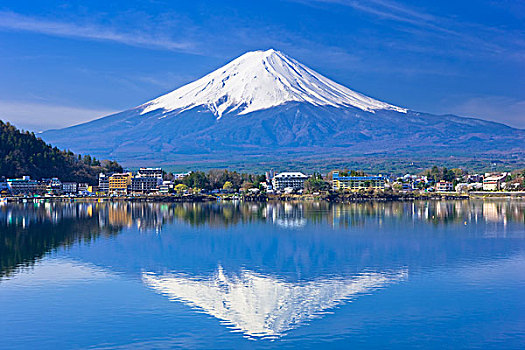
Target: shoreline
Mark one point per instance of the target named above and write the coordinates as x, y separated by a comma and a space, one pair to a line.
334, 198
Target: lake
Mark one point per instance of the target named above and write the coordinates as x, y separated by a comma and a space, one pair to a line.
397, 275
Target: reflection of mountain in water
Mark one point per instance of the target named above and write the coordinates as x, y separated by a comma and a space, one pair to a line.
263, 306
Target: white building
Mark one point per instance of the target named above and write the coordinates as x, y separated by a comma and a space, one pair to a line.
150, 172
69, 187
53, 185
82, 187
22, 186
165, 187
181, 176
103, 182
145, 184
444, 186
293, 180
493, 182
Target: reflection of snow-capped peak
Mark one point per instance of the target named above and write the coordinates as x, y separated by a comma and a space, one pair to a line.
264, 306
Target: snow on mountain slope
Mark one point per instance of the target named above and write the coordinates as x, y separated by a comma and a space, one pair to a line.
260, 80
262, 306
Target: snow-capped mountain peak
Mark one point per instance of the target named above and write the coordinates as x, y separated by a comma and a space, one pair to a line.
260, 80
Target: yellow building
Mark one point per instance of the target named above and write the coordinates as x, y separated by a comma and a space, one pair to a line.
118, 183
355, 183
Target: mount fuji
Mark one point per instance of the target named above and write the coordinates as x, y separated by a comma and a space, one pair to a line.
266, 106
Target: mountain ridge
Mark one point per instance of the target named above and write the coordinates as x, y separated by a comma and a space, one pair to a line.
235, 122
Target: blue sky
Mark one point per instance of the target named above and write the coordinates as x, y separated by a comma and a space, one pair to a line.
64, 62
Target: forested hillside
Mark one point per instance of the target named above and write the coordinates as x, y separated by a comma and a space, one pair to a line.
22, 153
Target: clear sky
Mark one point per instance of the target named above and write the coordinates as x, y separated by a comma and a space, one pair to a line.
64, 62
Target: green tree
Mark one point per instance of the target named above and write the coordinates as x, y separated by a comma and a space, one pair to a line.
196, 179
22, 153
316, 184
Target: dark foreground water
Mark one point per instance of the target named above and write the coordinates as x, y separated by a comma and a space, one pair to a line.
273, 275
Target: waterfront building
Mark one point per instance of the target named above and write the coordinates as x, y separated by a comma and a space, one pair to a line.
145, 184
474, 178
407, 186
492, 182
69, 187
3, 185
103, 182
165, 187
119, 183
150, 172
355, 183
289, 180
23, 185
83, 187
51, 185
444, 186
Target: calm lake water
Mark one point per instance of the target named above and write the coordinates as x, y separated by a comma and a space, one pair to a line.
447, 274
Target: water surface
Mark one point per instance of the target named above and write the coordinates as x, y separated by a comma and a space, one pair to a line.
441, 274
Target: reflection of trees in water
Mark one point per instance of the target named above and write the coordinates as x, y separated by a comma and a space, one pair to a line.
28, 232
212, 214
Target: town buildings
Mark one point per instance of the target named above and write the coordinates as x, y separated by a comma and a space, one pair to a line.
289, 181
147, 180
103, 182
69, 187
354, 183
53, 186
119, 183
165, 187
493, 182
150, 172
83, 187
444, 186
145, 184
151, 181
24, 185
181, 176
4, 188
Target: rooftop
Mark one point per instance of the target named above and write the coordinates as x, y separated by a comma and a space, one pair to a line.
291, 174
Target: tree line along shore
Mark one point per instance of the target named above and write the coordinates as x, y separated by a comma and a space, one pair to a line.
31, 168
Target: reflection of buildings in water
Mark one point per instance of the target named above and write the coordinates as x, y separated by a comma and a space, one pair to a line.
141, 215
43, 212
118, 215
494, 212
284, 214
356, 214
264, 306
442, 211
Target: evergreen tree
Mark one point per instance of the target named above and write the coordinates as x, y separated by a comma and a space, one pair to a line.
22, 153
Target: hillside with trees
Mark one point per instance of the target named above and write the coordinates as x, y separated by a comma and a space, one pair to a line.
22, 153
